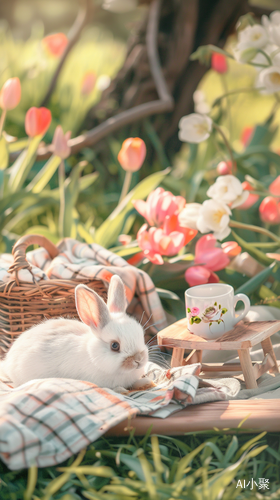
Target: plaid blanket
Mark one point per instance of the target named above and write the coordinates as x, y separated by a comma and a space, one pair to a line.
80, 261
44, 422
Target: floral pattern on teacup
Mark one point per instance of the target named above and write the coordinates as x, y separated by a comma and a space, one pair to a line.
212, 314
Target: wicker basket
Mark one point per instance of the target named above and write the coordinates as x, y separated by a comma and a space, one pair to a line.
24, 304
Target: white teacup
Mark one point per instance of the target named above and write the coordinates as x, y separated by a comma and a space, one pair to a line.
211, 309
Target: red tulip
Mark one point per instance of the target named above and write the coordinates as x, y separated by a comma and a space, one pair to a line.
132, 154
159, 205
246, 135
37, 121
231, 248
172, 224
10, 94
224, 168
274, 187
252, 198
200, 275
219, 63
270, 210
88, 83
55, 44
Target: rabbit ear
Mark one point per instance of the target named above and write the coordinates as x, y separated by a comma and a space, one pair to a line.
91, 308
116, 295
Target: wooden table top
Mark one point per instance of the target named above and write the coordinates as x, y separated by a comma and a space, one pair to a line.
243, 336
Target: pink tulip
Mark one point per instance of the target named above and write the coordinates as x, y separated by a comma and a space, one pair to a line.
224, 168
155, 243
219, 63
274, 187
55, 44
158, 206
270, 210
10, 94
88, 83
200, 275
60, 143
208, 254
231, 248
246, 135
132, 154
252, 198
37, 121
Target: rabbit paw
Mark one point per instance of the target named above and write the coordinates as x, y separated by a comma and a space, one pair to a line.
143, 384
120, 390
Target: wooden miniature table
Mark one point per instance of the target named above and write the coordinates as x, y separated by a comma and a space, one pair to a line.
242, 338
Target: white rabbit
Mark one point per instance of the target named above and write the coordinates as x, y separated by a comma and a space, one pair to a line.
107, 349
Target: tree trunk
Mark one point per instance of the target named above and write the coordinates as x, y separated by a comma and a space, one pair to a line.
183, 25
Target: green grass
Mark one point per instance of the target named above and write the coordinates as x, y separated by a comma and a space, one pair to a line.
201, 466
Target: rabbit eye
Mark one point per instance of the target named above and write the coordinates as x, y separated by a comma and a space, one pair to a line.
115, 346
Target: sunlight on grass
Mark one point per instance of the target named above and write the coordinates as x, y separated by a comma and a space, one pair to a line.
97, 51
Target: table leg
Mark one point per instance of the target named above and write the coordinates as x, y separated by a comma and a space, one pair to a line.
268, 349
247, 368
177, 357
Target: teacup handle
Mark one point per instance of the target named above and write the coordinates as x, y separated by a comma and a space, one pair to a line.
246, 301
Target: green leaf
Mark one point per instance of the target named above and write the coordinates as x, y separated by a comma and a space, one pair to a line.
43, 231
4, 154
260, 150
20, 169
44, 176
107, 234
18, 145
87, 180
254, 283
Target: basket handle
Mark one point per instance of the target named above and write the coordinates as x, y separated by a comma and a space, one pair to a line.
19, 250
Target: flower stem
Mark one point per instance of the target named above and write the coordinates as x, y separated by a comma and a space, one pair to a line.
227, 144
224, 84
233, 92
2, 120
61, 180
126, 185
266, 56
255, 229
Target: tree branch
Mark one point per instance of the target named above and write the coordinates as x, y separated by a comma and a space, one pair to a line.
73, 36
164, 104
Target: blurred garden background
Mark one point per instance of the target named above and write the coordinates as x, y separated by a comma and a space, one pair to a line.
117, 69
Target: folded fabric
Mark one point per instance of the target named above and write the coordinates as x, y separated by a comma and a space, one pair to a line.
80, 261
44, 422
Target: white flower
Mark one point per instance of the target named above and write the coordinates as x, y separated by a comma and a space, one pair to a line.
214, 216
189, 215
103, 82
194, 128
270, 79
119, 5
272, 26
253, 37
272, 51
198, 96
202, 107
228, 189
